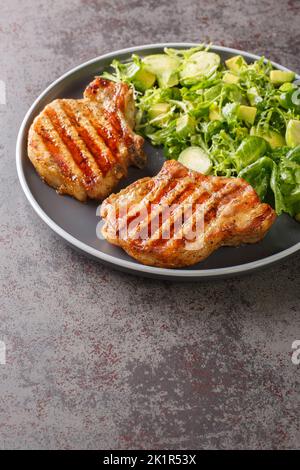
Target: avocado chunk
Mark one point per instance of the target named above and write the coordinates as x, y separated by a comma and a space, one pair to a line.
164, 67
287, 86
158, 112
214, 114
230, 78
278, 77
143, 79
235, 63
247, 113
292, 135
253, 96
185, 125
274, 138
297, 217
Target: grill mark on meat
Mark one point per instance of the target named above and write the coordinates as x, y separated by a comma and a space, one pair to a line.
164, 190
85, 146
170, 200
184, 195
110, 155
195, 200
108, 135
152, 195
75, 152
120, 102
127, 135
121, 222
170, 192
102, 162
231, 211
114, 121
113, 108
188, 197
234, 195
260, 218
199, 200
203, 197
53, 149
214, 202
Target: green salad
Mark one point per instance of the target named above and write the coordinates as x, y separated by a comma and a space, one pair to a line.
231, 119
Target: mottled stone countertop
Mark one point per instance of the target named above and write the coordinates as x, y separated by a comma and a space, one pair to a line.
101, 359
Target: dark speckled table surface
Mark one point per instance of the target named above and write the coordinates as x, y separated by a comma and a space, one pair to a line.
98, 359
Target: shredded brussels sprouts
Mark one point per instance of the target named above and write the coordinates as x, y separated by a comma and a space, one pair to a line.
237, 113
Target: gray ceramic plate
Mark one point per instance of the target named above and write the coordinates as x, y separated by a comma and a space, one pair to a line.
76, 222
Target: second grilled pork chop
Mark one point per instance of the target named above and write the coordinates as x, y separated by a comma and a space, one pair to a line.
84, 147
229, 209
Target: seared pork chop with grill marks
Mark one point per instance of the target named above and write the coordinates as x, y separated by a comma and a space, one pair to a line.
229, 210
84, 147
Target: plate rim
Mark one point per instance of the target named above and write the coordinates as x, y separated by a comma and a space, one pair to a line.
132, 266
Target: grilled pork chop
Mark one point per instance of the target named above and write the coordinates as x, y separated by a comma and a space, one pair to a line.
84, 147
228, 209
